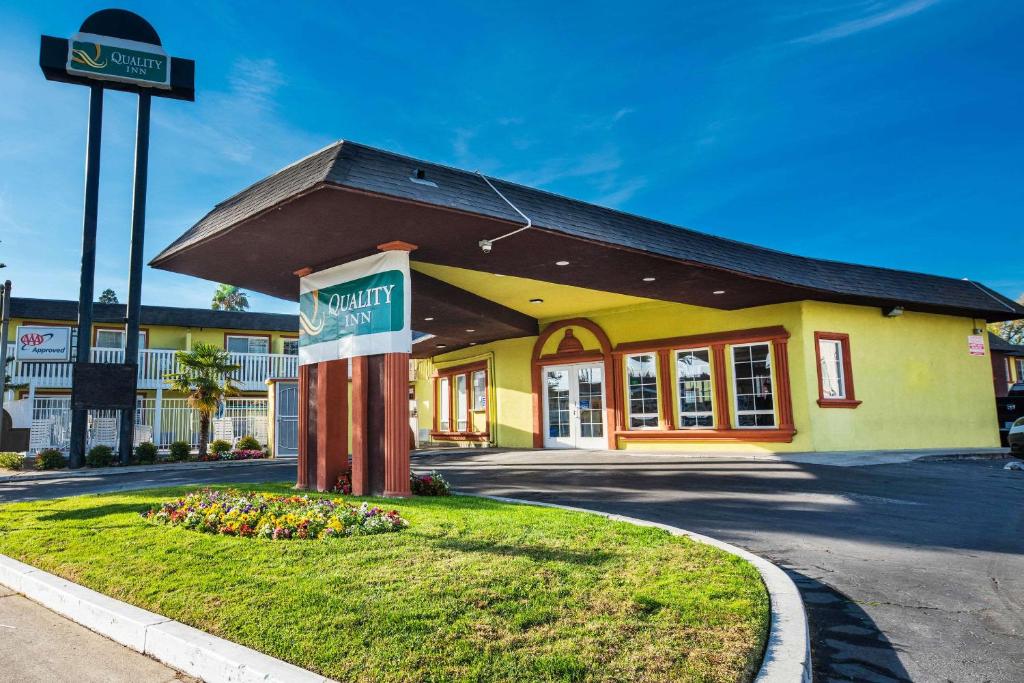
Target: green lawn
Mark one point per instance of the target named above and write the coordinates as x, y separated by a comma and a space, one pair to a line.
472, 590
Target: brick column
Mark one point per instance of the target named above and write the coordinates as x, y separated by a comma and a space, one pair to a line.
396, 425
301, 478
332, 422
360, 445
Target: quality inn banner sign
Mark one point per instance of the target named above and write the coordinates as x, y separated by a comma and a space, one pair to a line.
360, 308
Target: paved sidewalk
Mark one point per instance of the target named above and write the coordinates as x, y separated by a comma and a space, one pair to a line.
38, 646
503, 457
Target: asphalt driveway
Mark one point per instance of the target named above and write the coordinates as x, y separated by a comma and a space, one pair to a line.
910, 571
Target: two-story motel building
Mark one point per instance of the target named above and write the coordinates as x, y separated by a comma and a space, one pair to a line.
263, 345
593, 328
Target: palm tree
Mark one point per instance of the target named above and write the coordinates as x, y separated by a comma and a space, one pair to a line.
229, 298
204, 374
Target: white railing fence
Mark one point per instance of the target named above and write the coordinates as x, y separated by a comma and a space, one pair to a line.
154, 366
164, 423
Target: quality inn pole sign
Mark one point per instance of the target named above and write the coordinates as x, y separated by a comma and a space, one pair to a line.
114, 59
113, 50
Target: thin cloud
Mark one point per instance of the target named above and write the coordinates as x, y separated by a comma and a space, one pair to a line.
623, 193
866, 23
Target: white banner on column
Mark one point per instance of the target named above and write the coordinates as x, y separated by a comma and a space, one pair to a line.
360, 308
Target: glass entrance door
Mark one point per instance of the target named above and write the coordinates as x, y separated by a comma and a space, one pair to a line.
574, 406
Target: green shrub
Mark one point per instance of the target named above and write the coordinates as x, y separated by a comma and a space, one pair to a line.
145, 453
50, 459
100, 456
220, 446
248, 443
180, 451
11, 461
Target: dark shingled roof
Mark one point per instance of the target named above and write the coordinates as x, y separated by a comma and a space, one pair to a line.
1000, 345
355, 166
58, 309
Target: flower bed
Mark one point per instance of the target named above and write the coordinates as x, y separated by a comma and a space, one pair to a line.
264, 515
243, 454
430, 484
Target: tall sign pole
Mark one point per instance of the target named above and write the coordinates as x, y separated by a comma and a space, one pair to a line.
116, 50
80, 417
5, 322
134, 305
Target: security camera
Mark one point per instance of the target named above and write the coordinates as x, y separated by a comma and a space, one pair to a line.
486, 246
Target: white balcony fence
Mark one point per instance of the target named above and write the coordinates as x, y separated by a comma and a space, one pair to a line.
172, 420
155, 365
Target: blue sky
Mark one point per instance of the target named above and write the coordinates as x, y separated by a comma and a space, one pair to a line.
885, 133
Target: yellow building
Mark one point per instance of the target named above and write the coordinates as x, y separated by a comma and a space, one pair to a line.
553, 323
263, 345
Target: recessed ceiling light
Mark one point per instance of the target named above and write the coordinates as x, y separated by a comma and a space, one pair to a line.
470, 330
428, 319
536, 301
498, 275
472, 343
650, 279
718, 291
561, 263
442, 346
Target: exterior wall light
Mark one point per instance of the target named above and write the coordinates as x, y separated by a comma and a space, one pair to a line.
536, 301
892, 311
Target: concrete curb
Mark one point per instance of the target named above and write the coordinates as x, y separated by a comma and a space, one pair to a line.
140, 469
787, 656
194, 652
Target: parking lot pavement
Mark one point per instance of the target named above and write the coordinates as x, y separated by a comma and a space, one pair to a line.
77, 485
911, 571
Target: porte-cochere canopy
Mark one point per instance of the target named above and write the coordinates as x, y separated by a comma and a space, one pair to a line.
339, 203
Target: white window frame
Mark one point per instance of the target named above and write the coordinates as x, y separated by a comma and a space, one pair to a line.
840, 374
657, 393
461, 402
735, 389
444, 404
680, 413
249, 338
142, 338
479, 391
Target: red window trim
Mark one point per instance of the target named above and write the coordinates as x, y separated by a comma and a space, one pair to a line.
850, 401
716, 342
469, 434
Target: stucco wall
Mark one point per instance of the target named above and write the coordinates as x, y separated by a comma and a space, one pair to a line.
919, 386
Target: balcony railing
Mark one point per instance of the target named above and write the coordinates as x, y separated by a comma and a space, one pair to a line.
155, 365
